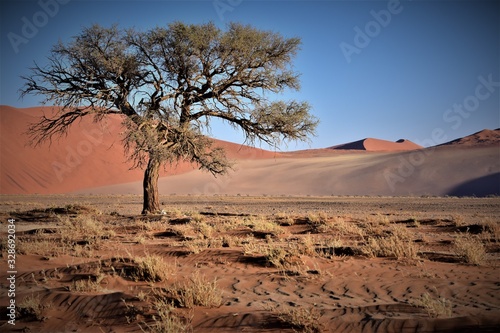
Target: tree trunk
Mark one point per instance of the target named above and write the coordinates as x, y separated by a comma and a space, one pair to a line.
150, 186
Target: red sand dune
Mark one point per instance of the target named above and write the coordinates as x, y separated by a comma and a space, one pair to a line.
370, 144
91, 155
482, 138
90, 159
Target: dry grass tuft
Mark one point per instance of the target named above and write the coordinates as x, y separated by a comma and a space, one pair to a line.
197, 291
397, 244
470, 249
303, 319
166, 321
317, 218
493, 229
263, 225
83, 225
43, 247
435, 307
152, 268
284, 257
32, 307
89, 285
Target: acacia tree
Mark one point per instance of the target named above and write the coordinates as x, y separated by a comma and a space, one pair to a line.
169, 83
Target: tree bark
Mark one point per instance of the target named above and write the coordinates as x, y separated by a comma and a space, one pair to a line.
150, 186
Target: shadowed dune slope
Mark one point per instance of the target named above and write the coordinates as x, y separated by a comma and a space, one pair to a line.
422, 172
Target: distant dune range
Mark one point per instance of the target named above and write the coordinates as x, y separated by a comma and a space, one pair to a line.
370, 144
91, 159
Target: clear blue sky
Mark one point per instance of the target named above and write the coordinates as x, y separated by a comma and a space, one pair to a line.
366, 74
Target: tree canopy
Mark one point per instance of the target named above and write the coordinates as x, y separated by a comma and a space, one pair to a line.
169, 83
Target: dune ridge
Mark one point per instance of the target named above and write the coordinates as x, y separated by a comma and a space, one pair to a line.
371, 144
482, 138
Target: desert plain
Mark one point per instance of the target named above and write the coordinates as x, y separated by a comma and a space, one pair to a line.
91, 263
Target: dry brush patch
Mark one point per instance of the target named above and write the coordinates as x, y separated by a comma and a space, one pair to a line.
32, 307
302, 319
166, 320
152, 268
197, 291
434, 306
393, 240
470, 249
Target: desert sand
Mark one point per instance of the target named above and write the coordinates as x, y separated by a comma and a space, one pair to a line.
255, 264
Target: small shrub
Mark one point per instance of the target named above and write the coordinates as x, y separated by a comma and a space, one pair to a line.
142, 295
458, 220
308, 246
493, 229
197, 217
83, 251
348, 228
284, 219
84, 226
286, 258
196, 246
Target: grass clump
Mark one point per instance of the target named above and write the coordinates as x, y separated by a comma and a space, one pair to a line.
165, 320
44, 247
317, 218
83, 225
435, 307
303, 319
89, 285
263, 225
284, 219
284, 257
32, 307
197, 291
470, 249
152, 268
397, 244
205, 229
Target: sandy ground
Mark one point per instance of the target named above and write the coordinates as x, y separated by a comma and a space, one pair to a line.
256, 264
